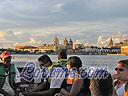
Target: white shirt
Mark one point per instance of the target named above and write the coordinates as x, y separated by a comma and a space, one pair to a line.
120, 90
56, 83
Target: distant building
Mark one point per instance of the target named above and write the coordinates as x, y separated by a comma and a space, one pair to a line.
26, 48
125, 43
65, 43
55, 46
124, 50
119, 44
68, 45
19, 47
79, 46
110, 43
46, 48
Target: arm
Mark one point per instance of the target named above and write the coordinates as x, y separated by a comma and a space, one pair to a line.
17, 82
4, 92
63, 91
49, 92
43, 86
76, 87
17, 76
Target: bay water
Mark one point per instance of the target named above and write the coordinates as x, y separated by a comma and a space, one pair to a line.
105, 61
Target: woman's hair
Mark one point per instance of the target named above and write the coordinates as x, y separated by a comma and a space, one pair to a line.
75, 61
45, 58
102, 86
124, 63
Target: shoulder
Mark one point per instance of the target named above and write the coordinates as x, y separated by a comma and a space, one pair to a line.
12, 64
78, 81
1, 64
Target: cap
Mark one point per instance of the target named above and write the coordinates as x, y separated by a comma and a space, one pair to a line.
5, 54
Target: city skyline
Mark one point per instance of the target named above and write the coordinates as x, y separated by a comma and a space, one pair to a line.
38, 22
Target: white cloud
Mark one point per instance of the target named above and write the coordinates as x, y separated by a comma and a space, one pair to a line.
117, 37
34, 42
18, 33
57, 8
2, 35
31, 42
42, 20
77, 42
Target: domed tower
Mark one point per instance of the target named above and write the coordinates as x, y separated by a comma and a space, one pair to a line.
56, 44
71, 44
65, 43
110, 43
56, 41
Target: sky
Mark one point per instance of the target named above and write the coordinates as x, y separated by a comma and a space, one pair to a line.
36, 22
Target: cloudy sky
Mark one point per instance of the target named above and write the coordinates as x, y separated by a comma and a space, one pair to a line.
35, 22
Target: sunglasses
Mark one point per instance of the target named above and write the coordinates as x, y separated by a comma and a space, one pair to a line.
119, 69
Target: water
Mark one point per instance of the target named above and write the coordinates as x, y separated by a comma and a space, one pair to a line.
88, 60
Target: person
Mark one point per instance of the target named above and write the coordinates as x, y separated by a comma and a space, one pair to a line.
55, 84
120, 81
9, 76
74, 86
102, 86
123, 76
61, 59
61, 63
45, 88
44, 61
126, 89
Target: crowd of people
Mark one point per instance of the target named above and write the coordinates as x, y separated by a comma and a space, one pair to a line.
113, 85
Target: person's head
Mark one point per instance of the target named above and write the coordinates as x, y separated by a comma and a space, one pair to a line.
6, 58
74, 62
45, 60
121, 67
62, 54
101, 86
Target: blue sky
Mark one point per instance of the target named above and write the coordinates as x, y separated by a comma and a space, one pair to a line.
34, 22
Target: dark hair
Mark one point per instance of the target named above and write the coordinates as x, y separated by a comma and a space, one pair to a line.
62, 54
45, 58
124, 63
102, 86
75, 61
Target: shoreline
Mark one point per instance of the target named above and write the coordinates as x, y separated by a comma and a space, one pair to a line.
77, 54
